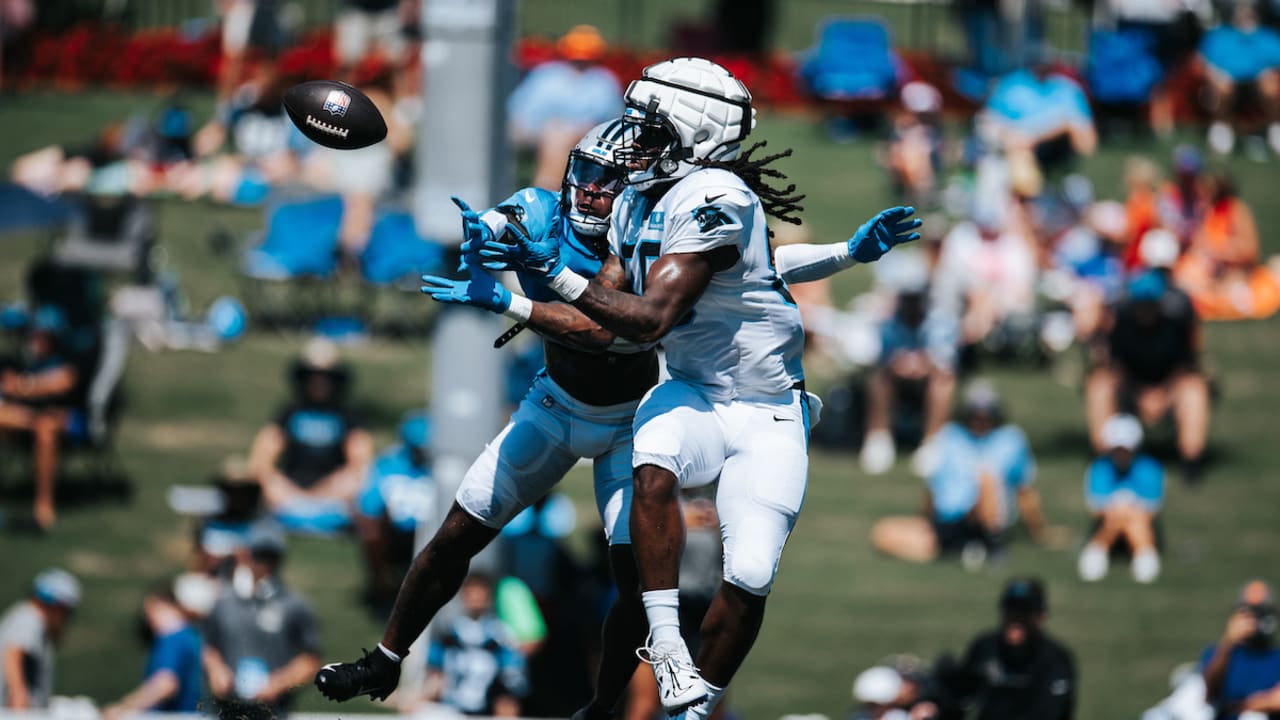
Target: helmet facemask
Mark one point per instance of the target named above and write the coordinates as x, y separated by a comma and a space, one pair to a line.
655, 150
587, 193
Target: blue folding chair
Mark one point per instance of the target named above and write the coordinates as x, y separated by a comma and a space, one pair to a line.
397, 253
852, 59
287, 267
1121, 67
300, 239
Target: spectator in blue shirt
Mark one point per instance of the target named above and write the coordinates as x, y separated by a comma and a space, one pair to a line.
978, 489
560, 100
172, 678
1039, 111
1124, 490
1235, 54
1242, 670
474, 665
398, 495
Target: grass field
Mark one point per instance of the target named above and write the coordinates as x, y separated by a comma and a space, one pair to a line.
837, 607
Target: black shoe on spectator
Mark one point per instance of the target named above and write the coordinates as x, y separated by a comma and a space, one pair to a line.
375, 675
1193, 471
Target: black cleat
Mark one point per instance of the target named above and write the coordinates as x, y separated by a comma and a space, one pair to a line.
375, 675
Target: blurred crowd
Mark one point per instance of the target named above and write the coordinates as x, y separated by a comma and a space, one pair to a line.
1022, 262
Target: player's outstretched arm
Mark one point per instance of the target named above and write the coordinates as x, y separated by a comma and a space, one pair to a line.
806, 262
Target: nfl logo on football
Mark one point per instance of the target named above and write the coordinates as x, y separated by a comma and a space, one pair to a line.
337, 103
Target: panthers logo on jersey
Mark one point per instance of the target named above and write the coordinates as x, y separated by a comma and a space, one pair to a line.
710, 217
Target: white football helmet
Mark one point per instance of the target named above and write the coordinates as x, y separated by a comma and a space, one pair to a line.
683, 110
594, 171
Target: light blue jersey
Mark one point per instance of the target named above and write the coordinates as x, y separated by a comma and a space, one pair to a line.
400, 489
1003, 453
1142, 484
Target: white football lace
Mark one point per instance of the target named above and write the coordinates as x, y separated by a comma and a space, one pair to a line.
670, 660
326, 127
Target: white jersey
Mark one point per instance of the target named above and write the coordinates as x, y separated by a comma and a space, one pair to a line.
743, 337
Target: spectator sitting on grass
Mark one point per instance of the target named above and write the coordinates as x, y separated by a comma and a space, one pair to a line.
474, 665
35, 393
29, 632
311, 460
261, 640
1222, 269
398, 496
885, 693
1242, 670
172, 680
913, 156
1152, 362
1124, 490
981, 481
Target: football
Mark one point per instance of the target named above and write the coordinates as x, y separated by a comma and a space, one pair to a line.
335, 114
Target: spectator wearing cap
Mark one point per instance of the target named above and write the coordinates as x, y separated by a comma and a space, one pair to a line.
558, 101
1017, 671
913, 156
885, 693
918, 349
1242, 670
35, 397
1124, 490
399, 495
261, 640
1235, 54
312, 458
981, 482
173, 676
29, 632
1151, 362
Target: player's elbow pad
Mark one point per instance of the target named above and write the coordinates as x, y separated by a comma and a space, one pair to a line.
806, 263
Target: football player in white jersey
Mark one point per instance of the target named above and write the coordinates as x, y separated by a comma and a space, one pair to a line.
690, 231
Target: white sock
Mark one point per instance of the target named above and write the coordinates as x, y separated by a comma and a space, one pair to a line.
704, 710
388, 653
663, 610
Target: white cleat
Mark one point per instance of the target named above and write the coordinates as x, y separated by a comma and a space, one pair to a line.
1145, 566
680, 687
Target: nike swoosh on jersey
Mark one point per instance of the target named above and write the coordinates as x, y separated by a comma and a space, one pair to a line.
708, 199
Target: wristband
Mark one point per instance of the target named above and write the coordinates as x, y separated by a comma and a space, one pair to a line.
568, 284
520, 308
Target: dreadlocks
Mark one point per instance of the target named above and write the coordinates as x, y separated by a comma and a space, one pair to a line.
780, 203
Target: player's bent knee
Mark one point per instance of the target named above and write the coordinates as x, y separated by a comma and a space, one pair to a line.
751, 572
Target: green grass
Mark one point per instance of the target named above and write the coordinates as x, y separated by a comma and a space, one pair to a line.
837, 607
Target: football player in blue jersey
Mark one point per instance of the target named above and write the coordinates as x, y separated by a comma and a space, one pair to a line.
580, 406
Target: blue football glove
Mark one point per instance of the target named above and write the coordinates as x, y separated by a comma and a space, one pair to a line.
479, 290
879, 234
475, 232
518, 250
